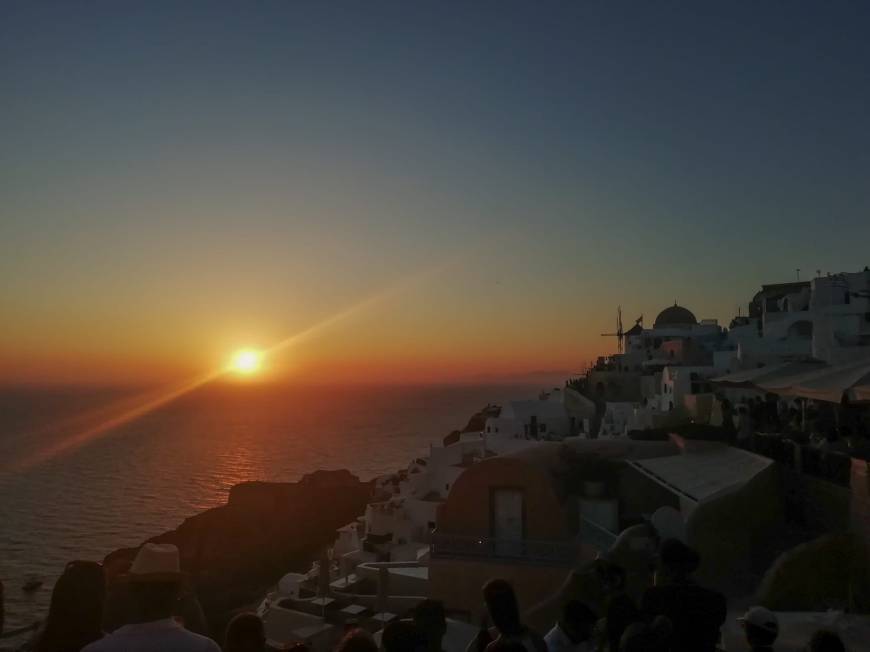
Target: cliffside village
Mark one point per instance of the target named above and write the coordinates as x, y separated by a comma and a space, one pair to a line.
749, 443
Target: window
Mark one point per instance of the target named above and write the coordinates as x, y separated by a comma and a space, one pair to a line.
542, 427
848, 297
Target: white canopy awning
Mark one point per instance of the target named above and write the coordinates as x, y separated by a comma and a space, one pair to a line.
703, 474
814, 380
829, 383
771, 374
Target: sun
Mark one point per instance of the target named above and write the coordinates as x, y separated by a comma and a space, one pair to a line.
246, 361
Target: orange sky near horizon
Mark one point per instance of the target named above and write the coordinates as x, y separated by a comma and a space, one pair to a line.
391, 341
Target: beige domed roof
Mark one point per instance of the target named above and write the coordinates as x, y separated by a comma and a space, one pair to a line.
675, 316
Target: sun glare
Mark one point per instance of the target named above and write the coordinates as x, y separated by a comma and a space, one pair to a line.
246, 362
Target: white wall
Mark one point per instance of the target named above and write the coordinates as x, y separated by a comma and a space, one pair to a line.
841, 330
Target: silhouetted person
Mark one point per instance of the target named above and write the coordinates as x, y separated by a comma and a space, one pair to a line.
357, 640
155, 583
696, 613
621, 614
245, 633
746, 428
512, 646
728, 420
431, 624
188, 612
761, 628
401, 636
573, 631
501, 603
75, 615
825, 640
480, 642
647, 637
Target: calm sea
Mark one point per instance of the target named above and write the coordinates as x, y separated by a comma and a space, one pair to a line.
60, 502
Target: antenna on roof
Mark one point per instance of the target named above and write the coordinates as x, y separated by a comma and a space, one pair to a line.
798, 270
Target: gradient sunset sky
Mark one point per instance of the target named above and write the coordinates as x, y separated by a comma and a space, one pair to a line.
472, 189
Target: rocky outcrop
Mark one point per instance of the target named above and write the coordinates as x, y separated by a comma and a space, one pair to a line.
232, 554
476, 423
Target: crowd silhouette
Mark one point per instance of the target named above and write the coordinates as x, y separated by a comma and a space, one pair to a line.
674, 614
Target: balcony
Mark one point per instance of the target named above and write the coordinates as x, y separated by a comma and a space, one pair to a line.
450, 546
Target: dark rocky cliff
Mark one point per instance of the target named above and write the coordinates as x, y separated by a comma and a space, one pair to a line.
233, 553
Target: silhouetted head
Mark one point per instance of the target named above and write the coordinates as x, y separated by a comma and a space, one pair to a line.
153, 600
75, 615
825, 640
577, 621
357, 640
155, 582
612, 578
431, 623
677, 560
400, 636
501, 602
245, 633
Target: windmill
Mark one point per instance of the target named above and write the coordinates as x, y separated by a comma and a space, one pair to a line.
619, 334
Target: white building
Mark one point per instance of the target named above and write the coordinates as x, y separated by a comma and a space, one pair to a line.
840, 310
554, 415
827, 318
679, 382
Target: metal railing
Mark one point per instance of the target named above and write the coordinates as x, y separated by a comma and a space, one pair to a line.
447, 546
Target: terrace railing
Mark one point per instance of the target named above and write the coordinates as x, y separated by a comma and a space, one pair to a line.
452, 546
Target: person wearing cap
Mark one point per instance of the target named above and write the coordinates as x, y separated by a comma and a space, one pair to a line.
761, 628
155, 582
696, 613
